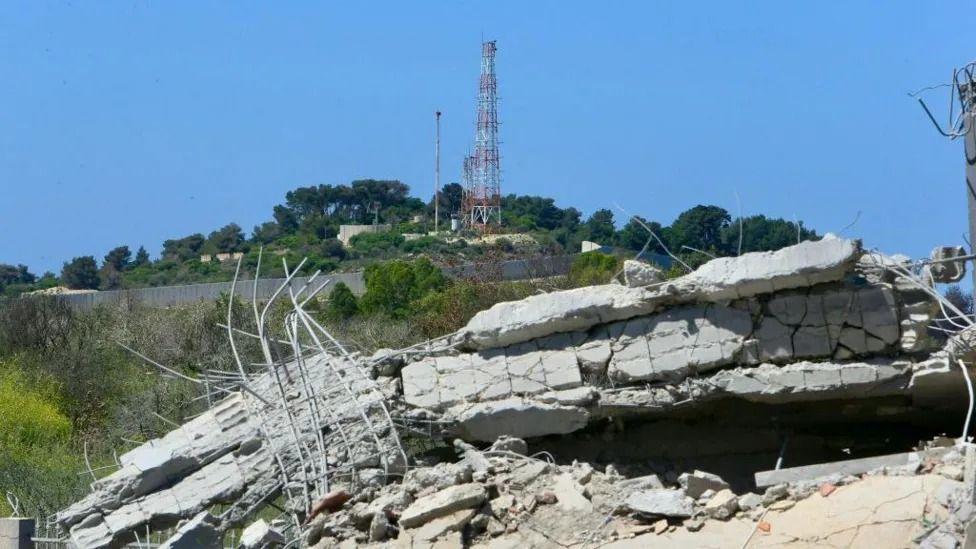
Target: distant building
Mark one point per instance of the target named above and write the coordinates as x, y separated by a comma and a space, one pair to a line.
206, 258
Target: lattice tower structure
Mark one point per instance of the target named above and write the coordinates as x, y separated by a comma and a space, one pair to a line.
482, 199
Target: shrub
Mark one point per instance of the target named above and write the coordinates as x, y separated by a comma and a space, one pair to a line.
393, 286
341, 303
37, 464
333, 248
375, 244
593, 268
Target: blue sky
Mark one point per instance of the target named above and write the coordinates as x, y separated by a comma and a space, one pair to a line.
129, 123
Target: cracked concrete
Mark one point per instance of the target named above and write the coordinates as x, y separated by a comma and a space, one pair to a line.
821, 325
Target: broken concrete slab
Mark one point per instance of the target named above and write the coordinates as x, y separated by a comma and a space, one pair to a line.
667, 503
800, 266
843, 468
697, 482
200, 531
722, 505
260, 535
673, 344
438, 527
517, 417
443, 503
719, 280
565, 311
638, 273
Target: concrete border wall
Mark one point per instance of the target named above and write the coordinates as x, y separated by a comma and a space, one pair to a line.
166, 296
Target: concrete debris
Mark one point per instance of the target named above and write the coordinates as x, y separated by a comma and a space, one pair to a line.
816, 330
723, 279
848, 467
260, 535
722, 505
200, 531
442, 503
943, 268
664, 502
506, 443
638, 273
697, 482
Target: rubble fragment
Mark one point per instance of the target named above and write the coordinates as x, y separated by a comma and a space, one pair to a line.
443, 503
638, 273
260, 535
663, 502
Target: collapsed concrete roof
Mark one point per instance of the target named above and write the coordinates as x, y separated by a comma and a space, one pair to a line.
816, 321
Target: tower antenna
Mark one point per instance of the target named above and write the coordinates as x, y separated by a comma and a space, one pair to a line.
482, 198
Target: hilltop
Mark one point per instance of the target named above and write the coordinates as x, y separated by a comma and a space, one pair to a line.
307, 225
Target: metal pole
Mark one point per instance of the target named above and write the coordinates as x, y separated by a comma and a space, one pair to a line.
437, 170
970, 138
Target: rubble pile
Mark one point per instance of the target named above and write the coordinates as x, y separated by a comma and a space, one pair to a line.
501, 499
820, 321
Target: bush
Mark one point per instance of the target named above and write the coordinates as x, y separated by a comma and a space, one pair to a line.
376, 244
392, 287
341, 303
593, 268
37, 464
333, 248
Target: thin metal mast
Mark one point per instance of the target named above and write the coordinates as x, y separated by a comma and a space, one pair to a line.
437, 170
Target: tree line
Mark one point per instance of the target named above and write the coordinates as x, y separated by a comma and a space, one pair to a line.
307, 222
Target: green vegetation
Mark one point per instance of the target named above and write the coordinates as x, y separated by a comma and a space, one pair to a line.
306, 225
66, 384
593, 268
341, 303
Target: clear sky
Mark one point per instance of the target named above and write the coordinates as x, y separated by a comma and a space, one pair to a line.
133, 122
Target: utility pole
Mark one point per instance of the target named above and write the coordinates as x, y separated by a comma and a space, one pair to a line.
963, 124
968, 100
437, 170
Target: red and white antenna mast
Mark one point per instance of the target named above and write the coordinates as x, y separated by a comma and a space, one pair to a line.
483, 194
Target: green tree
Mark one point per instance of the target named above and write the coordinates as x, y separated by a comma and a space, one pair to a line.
599, 227
392, 287
118, 258
266, 233
633, 235
182, 249
228, 238
80, 273
700, 227
760, 233
142, 257
341, 303
450, 201
14, 275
